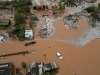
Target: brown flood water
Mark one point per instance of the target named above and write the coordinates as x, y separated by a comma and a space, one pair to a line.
82, 61
63, 33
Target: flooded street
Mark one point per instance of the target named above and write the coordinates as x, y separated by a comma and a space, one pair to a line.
82, 61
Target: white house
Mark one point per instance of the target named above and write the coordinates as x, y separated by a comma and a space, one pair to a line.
29, 34
39, 2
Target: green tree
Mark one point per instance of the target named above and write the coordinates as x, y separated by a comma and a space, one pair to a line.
20, 26
19, 10
15, 3
5, 3
21, 35
19, 73
47, 73
94, 15
25, 8
72, 2
23, 65
91, 9
34, 18
20, 31
29, 2
54, 71
19, 18
62, 5
3, 7
98, 6
20, 3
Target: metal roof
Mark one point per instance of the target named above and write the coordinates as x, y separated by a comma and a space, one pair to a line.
4, 22
6, 69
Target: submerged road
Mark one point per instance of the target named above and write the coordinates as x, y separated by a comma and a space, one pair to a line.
82, 61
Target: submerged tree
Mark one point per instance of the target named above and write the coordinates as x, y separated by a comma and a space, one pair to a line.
23, 65
47, 73
19, 73
20, 32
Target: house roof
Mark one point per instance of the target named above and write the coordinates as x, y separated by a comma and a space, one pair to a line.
40, 66
6, 68
4, 21
37, 68
28, 33
47, 67
39, 2
53, 65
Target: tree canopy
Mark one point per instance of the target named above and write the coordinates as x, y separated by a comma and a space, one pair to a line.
91, 9
34, 18
72, 2
19, 18
19, 3
24, 65
22, 4
47, 73
20, 32
19, 73
61, 5
98, 6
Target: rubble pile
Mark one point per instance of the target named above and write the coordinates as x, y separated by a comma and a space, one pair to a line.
80, 8
3, 37
48, 29
80, 13
69, 22
45, 31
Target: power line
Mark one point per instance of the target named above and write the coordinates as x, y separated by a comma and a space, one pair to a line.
69, 67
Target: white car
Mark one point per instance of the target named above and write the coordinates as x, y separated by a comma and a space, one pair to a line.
59, 55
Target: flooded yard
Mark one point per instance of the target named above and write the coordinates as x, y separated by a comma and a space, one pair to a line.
81, 61
63, 33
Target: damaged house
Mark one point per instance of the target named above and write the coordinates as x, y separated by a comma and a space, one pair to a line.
39, 68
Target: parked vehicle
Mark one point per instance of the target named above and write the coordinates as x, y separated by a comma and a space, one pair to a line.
59, 55
30, 43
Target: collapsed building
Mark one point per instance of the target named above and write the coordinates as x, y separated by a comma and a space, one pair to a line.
44, 31
39, 68
69, 22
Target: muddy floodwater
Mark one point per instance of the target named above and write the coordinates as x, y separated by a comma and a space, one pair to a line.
63, 33
81, 61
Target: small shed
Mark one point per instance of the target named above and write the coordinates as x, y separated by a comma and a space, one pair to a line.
4, 22
29, 33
